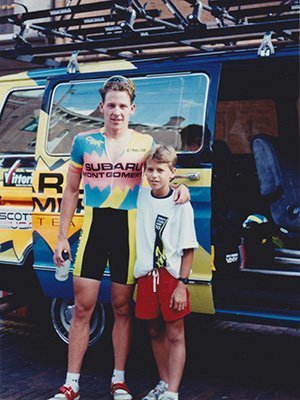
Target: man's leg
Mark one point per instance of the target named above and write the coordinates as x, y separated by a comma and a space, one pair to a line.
177, 353
86, 293
160, 347
121, 337
122, 329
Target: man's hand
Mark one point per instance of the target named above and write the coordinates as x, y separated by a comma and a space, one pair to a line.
179, 298
182, 195
67, 209
60, 247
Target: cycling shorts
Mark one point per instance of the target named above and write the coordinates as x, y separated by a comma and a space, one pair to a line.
107, 238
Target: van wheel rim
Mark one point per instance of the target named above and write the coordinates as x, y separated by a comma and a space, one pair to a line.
62, 310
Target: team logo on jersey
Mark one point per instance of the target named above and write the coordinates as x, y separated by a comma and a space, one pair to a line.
94, 142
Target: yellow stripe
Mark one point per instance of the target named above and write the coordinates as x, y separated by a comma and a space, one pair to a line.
21, 76
87, 222
113, 65
132, 248
116, 198
204, 180
213, 267
75, 164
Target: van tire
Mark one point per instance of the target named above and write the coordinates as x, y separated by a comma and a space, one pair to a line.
61, 312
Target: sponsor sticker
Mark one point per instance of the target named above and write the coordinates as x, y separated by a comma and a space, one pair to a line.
232, 258
15, 218
17, 179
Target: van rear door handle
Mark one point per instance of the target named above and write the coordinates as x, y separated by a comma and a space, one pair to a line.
194, 176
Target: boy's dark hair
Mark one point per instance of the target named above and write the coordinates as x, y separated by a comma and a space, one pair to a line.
162, 154
118, 83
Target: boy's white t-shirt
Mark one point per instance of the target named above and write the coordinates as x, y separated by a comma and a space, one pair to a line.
165, 226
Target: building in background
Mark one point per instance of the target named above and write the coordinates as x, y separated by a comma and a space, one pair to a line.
7, 31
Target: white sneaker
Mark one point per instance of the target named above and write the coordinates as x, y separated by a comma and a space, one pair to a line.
157, 392
167, 396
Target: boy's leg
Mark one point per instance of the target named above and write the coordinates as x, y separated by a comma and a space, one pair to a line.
177, 353
147, 308
160, 347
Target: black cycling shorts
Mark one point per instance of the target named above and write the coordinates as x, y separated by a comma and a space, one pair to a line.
107, 238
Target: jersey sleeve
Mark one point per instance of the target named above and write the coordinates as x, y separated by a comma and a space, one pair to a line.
76, 160
187, 236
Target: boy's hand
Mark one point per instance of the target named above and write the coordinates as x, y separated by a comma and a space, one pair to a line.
179, 298
181, 195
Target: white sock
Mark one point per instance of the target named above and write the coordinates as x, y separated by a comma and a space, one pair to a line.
173, 394
73, 381
118, 376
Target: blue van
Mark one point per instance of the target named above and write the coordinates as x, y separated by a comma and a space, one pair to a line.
231, 113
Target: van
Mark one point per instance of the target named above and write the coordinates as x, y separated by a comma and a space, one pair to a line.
233, 118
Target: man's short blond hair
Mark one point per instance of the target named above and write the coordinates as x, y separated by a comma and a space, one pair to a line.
118, 83
162, 154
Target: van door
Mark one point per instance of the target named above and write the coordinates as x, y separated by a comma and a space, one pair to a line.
173, 109
256, 191
18, 129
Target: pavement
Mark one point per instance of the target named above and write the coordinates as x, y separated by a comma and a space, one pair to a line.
225, 361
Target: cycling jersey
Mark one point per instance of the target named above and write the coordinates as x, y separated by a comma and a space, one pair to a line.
108, 184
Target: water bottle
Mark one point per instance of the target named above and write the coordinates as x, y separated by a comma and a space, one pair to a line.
62, 271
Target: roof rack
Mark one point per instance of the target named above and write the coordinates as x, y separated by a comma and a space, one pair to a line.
127, 29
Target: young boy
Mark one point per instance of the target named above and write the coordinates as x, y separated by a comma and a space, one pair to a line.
165, 241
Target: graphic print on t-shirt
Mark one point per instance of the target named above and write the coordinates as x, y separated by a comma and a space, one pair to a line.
159, 256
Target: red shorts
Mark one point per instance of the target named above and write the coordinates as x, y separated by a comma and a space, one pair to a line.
150, 304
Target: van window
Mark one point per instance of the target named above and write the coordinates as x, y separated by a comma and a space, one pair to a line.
19, 121
170, 108
239, 120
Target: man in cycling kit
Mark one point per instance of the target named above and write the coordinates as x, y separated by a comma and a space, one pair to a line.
110, 164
